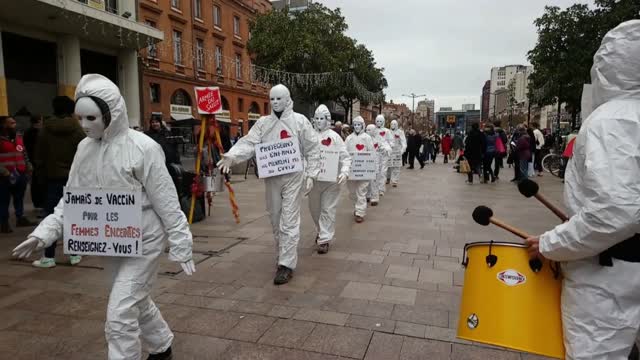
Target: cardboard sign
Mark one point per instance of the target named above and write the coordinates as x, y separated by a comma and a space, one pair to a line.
279, 157
208, 100
396, 159
102, 222
364, 165
329, 163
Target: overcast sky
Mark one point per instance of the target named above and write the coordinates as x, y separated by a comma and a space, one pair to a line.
444, 48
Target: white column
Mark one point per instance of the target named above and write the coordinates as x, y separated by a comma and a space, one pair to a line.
129, 85
69, 68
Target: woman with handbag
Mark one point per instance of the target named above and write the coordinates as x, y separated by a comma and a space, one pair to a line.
491, 149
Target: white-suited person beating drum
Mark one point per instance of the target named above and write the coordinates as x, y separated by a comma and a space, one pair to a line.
599, 247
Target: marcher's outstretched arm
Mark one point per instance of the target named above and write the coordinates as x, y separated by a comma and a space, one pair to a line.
403, 142
612, 208
244, 149
164, 199
311, 144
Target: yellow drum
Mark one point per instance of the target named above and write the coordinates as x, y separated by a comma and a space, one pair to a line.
509, 301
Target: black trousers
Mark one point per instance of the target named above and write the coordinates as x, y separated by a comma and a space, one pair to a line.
498, 165
412, 157
537, 160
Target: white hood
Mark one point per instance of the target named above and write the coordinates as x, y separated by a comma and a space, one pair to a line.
99, 86
616, 66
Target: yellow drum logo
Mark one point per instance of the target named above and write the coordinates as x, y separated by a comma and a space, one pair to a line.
511, 277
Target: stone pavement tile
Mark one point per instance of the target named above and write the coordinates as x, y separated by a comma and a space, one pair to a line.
248, 351
33, 300
43, 324
397, 295
380, 252
402, 272
223, 291
330, 287
436, 276
359, 307
447, 259
336, 340
250, 294
283, 312
450, 289
250, 328
414, 285
359, 290
299, 283
367, 258
420, 315
197, 347
251, 307
287, 333
410, 329
525, 356
205, 302
365, 272
321, 316
455, 252
447, 265
438, 300
404, 248
191, 288
254, 279
207, 322
384, 347
454, 316
371, 323
333, 254
417, 349
427, 250
458, 278
444, 334
11, 317
19, 345
83, 306
402, 259
308, 300
422, 263
472, 352
166, 298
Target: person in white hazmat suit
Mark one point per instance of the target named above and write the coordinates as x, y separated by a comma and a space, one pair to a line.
599, 247
324, 197
383, 151
388, 137
116, 157
283, 193
398, 144
358, 141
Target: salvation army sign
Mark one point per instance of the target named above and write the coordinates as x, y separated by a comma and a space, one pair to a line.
208, 100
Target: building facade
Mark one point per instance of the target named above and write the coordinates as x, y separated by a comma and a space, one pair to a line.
502, 77
485, 101
46, 46
451, 121
205, 45
292, 5
467, 107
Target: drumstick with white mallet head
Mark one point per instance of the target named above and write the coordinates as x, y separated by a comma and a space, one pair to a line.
484, 216
530, 188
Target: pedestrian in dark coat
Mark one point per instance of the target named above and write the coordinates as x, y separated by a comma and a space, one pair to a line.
474, 148
414, 141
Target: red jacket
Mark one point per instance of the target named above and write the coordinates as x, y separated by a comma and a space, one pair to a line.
446, 144
12, 154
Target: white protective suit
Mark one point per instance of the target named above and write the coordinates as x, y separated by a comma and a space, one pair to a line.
283, 193
601, 304
384, 164
383, 150
324, 197
128, 159
359, 140
399, 143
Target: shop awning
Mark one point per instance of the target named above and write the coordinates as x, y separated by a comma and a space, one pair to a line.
181, 117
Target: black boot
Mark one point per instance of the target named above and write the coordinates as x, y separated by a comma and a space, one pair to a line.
161, 356
5, 228
323, 248
24, 222
283, 275
635, 354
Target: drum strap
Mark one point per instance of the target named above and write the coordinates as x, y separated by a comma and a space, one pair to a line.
628, 250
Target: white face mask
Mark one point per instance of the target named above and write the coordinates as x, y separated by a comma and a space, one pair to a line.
394, 125
357, 127
321, 123
379, 122
371, 130
90, 117
279, 97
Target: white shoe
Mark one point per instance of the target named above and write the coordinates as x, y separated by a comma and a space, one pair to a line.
75, 259
44, 263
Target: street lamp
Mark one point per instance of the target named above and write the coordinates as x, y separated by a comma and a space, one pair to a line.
413, 104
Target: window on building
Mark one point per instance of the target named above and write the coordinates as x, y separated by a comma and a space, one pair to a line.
200, 54
238, 66
240, 105
218, 60
111, 6
180, 97
152, 49
236, 26
197, 9
154, 93
177, 47
175, 4
217, 16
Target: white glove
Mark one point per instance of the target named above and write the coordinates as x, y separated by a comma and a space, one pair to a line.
188, 267
342, 178
25, 249
225, 164
308, 186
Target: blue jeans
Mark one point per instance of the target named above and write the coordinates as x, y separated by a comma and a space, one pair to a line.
524, 169
15, 191
55, 190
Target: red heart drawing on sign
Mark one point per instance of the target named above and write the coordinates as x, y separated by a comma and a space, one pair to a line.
375, 145
382, 133
360, 147
326, 142
284, 134
397, 136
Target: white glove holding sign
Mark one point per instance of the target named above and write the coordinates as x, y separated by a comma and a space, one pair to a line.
225, 164
342, 178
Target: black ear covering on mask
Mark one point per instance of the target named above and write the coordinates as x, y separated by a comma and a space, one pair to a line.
104, 109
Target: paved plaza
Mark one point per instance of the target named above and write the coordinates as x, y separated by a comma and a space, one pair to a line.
388, 289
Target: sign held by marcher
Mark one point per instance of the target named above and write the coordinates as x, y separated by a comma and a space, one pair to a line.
279, 157
329, 162
396, 159
102, 222
363, 165
208, 100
